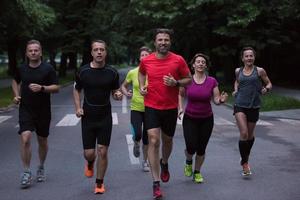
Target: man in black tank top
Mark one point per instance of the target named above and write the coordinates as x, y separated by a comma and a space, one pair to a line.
32, 85
97, 80
248, 88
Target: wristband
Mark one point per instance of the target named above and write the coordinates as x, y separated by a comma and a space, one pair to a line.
42, 88
177, 83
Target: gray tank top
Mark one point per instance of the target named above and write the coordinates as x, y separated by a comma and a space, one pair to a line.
249, 90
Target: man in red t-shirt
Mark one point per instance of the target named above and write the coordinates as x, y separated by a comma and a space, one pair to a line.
165, 72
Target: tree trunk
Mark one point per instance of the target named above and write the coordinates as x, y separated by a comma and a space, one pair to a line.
63, 65
12, 47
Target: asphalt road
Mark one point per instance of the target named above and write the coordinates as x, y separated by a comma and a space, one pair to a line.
275, 161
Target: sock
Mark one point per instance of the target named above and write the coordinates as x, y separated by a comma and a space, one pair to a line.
189, 162
91, 163
99, 182
155, 183
250, 144
196, 171
243, 147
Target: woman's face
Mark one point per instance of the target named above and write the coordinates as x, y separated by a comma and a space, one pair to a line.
248, 58
143, 54
200, 64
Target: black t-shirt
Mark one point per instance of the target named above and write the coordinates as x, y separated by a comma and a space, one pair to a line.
97, 84
44, 74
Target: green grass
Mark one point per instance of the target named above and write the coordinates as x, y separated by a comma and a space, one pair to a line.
270, 101
6, 97
3, 71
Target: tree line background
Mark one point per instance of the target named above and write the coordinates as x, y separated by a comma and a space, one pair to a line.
218, 28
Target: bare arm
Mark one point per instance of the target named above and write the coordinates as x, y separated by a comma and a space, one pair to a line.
77, 102
218, 97
142, 82
268, 85
124, 89
16, 90
42, 88
169, 80
236, 83
180, 101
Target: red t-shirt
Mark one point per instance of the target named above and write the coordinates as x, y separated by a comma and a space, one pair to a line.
159, 95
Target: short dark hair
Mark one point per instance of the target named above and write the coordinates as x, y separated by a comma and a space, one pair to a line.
157, 31
98, 41
144, 48
34, 42
246, 49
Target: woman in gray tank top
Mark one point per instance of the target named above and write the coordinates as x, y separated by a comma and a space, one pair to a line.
251, 82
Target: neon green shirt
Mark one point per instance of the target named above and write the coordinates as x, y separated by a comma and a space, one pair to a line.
137, 100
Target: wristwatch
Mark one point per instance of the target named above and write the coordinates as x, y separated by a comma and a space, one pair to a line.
177, 83
42, 88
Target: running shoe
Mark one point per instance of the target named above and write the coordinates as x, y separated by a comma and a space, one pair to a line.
246, 170
157, 195
164, 172
188, 170
99, 189
146, 167
198, 178
26, 179
40, 174
136, 149
89, 170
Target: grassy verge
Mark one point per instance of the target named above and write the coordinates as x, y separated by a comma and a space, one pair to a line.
270, 102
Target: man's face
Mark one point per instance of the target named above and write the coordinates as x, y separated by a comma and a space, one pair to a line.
162, 43
33, 52
98, 52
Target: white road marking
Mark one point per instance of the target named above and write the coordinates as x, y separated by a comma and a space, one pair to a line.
4, 118
124, 104
291, 121
115, 118
69, 120
130, 143
264, 123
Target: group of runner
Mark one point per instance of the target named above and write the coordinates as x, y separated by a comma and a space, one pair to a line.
160, 84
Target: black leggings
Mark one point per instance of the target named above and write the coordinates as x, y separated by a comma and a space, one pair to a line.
137, 120
197, 133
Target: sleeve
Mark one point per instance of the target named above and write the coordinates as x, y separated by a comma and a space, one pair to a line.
128, 78
17, 75
52, 77
183, 69
77, 83
116, 84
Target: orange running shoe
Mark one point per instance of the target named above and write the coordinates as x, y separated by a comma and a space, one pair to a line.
99, 190
89, 170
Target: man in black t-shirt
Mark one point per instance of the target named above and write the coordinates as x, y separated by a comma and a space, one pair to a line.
32, 84
97, 80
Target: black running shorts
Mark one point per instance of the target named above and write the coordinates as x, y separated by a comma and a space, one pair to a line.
164, 119
252, 114
35, 119
96, 130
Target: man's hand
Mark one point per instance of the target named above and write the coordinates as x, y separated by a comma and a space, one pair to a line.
35, 87
79, 112
169, 80
17, 99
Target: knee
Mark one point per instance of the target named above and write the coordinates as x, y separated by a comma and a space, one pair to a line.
102, 152
89, 154
243, 135
154, 142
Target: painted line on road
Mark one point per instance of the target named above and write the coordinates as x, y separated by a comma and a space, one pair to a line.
264, 123
130, 143
291, 121
124, 104
68, 120
115, 118
222, 121
4, 118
